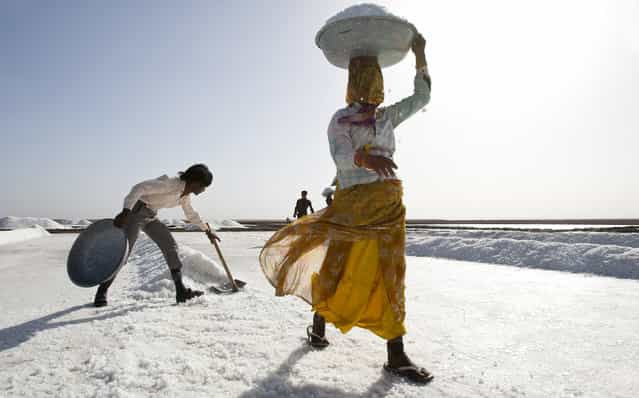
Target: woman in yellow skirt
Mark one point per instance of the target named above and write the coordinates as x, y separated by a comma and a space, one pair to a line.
347, 260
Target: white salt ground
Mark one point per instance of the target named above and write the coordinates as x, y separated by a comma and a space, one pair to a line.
484, 330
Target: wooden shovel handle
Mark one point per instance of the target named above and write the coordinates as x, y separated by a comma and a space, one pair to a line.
226, 267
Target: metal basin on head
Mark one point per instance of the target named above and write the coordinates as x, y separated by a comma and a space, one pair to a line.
386, 37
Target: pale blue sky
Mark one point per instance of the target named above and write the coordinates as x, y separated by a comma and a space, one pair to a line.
533, 112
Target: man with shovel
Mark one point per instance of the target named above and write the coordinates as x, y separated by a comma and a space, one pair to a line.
140, 213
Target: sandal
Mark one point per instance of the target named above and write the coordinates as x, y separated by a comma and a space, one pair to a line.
315, 340
411, 373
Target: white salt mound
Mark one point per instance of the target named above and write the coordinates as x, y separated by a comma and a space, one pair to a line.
231, 224
216, 224
22, 234
175, 222
154, 278
607, 254
193, 227
362, 10
13, 222
201, 268
365, 30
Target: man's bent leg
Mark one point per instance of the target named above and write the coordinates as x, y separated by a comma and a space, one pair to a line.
132, 230
161, 235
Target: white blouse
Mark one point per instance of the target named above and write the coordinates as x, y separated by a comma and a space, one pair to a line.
345, 139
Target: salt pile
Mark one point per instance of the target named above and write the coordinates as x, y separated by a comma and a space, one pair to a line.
176, 222
216, 224
193, 227
13, 222
154, 278
22, 234
362, 10
229, 224
365, 30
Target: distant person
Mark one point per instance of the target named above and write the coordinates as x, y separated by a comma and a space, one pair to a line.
328, 194
302, 206
329, 199
140, 213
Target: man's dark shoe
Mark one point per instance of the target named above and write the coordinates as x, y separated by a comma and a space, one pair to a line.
100, 299
183, 295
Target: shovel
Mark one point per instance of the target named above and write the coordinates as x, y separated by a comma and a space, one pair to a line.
233, 285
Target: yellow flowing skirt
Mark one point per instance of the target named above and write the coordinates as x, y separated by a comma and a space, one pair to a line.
347, 260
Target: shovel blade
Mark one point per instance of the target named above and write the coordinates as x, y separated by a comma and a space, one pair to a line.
227, 288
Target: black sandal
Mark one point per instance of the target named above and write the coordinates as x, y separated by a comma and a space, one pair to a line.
315, 340
411, 373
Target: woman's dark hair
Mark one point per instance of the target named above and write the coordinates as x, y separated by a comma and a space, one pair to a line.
197, 173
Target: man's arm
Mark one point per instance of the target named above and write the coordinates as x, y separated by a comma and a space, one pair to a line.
192, 215
311, 205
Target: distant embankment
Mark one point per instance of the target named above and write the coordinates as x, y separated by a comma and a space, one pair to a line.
592, 225
532, 225
565, 221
